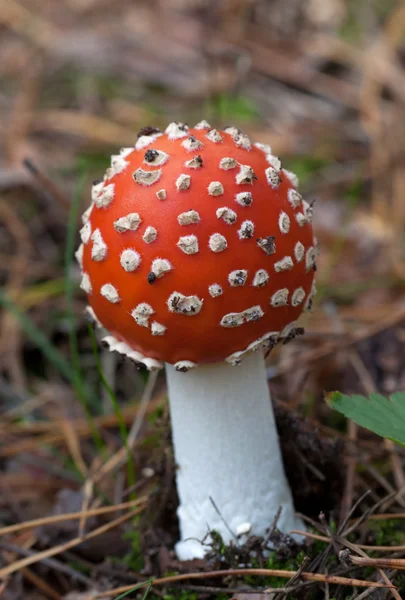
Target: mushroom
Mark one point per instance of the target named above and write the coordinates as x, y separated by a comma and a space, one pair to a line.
197, 256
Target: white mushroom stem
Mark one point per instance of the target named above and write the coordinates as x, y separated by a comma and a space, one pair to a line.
227, 453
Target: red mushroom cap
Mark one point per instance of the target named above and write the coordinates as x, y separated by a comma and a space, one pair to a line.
197, 248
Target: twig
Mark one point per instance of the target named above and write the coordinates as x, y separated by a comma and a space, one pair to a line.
235, 537
272, 528
328, 540
382, 563
47, 186
71, 516
119, 458
49, 562
383, 575
295, 577
19, 564
318, 577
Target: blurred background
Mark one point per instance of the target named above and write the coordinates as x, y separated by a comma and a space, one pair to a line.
322, 82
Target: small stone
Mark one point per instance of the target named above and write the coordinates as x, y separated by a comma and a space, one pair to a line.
243, 529
148, 472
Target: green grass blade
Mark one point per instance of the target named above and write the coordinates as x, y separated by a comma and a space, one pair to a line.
69, 284
82, 391
116, 407
52, 354
148, 583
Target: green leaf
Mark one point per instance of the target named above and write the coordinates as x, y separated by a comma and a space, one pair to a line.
384, 416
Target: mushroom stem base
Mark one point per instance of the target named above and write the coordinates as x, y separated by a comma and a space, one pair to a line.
230, 475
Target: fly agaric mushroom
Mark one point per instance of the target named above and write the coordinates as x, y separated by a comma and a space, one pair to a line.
198, 253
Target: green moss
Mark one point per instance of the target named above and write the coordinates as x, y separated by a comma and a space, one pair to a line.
175, 594
79, 566
151, 441
134, 558
155, 415
389, 532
